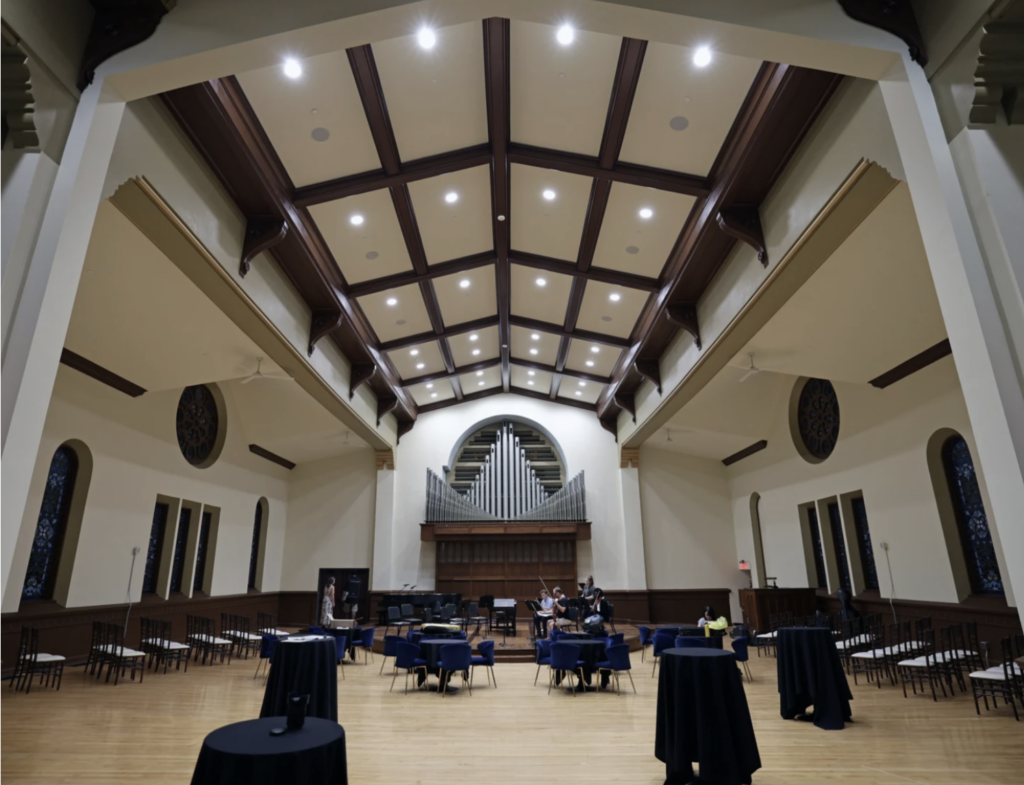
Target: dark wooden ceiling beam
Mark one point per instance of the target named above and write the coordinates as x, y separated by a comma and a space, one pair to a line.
498, 90
433, 407
613, 277
483, 365
564, 401
587, 377
559, 330
433, 272
449, 332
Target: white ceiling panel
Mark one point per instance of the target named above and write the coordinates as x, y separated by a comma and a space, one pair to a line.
453, 212
478, 381
583, 357
545, 302
435, 96
467, 296
534, 346
600, 313
549, 227
475, 347
579, 390
396, 313
530, 379
417, 360
432, 392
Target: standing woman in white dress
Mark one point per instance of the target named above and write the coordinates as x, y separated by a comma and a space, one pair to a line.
327, 608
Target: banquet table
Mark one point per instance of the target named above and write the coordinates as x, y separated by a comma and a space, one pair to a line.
430, 650
305, 665
246, 753
703, 718
591, 652
810, 673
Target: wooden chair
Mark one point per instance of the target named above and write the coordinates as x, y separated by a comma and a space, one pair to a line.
873, 660
924, 669
97, 658
201, 635
158, 644
266, 624
120, 657
1000, 681
948, 659
32, 661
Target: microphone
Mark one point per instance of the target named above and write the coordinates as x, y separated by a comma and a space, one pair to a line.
412, 587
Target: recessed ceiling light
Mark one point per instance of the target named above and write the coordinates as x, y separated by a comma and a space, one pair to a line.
702, 56
578, 392
583, 384
433, 395
534, 336
531, 373
614, 297
533, 351
414, 352
479, 373
590, 363
481, 384
426, 38
475, 352
356, 220
420, 366
430, 386
548, 194
541, 282
292, 68
473, 337
451, 197
530, 382
464, 283
391, 301
565, 35
595, 349
646, 212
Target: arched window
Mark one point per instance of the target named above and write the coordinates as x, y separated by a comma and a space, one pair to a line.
969, 509
52, 524
254, 553
817, 549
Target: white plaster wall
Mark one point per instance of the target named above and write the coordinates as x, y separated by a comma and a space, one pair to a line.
330, 517
688, 524
588, 447
881, 451
135, 457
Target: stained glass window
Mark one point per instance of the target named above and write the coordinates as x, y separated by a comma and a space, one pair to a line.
867, 553
839, 545
254, 554
53, 519
819, 553
201, 550
178, 563
818, 417
156, 546
197, 424
979, 550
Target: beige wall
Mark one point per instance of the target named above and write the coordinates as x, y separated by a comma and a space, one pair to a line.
330, 517
687, 519
882, 452
135, 456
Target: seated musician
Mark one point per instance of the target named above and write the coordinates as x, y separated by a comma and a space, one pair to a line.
541, 618
560, 608
588, 590
600, 607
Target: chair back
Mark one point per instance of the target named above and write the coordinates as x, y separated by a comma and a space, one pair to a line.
456, 657
405, 654
428, 614
314, 630
407, 609
928, 639
1009, 673
555, 634
740, 649
618, 657
268, 645
543, 650
459, 636
447, 612
486, 650
97, 635
645, 635
662, 642
690, 642
366, 637
615, 640
474, 609
922, 624
564, 656
146, 634
28, 647
161, 630
394, 613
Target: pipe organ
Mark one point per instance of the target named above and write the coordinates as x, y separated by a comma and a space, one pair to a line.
506, 488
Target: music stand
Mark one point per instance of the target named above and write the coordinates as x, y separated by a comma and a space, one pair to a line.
504, 626
534, 606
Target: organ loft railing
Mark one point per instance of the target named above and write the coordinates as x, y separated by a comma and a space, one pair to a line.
506, 488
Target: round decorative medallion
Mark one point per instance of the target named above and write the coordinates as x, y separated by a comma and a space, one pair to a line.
198, 422
818, 418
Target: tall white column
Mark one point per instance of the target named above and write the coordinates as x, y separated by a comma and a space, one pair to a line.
983, 345
633, 530
383, 522
38, 327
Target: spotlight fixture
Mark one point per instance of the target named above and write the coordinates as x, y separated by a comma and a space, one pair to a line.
392, 301
542, 282
420, 366
578, 392
614, 297
481, 384
530, 382
533, 351
292, 68
430, 385
531, 373
475, 352
646, 212
479, 373
426, 38
548, 194
356, 220
702, 56
414, 352
473, 337
433, 395
583, 384
534, 336
451, 197
565, 35
464, 283
590, 363
595, 349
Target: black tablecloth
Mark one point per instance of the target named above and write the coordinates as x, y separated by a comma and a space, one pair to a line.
246, 753
703, 717
810, 673
309, 668
430, 650
591, 653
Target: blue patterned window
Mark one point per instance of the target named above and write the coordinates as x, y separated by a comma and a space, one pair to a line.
178, 563
839, 545
979, 550
201, 551
156, 547
254, 554
819, 552
53, 520
867, 553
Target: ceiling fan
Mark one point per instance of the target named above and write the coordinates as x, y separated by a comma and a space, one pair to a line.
258, 374
751, 371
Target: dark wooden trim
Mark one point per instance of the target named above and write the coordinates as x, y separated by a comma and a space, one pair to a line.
100, 374
611, 424
323, 322
744, 224
359, 373
542, 397
588, 377
892, 16
913, 365
261, 234
650, 370
627, 76
385, 406
487, 531
433, 407
746, 452
589, 166
557, 329
255, 449
449, 332
364, 70
684, 315
627, 402
614, 277
404, 426
116, 26
446, 374
453, 267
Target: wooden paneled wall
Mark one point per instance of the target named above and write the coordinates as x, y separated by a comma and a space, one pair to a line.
505, 568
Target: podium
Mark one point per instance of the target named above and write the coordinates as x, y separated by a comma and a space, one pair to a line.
759, 605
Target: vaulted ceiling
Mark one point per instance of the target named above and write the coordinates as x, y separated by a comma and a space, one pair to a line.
504, 206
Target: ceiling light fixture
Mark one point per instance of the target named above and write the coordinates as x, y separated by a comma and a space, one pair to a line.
530, 382
702, 56
548, 194
356, 220
583, 384
479, 373
414, 352
531, 373
534, 337
646, 212
451, 197
541, 282
481, 384
392, 301
426, 38
565, 35
464, 283
475, 352
614, 297
420, 366
578, 392
292, 68
595, 349
533, 351
473, 337
430, 386
433, 395
590, 363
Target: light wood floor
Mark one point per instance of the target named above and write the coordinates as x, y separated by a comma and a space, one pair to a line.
92, 732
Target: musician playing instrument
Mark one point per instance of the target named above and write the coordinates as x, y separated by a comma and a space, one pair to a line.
560, 608
543, 616
588, 590
601, 605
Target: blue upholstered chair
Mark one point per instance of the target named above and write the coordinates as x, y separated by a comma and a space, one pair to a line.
268, 645
555, 634
314, 630
486, 660
455, 658
691, 642
459, 636
565, 657
365, 642
391, 648
615, 640
645, 640
661, 642
741, 651
617, 662
406, 658
543, 657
